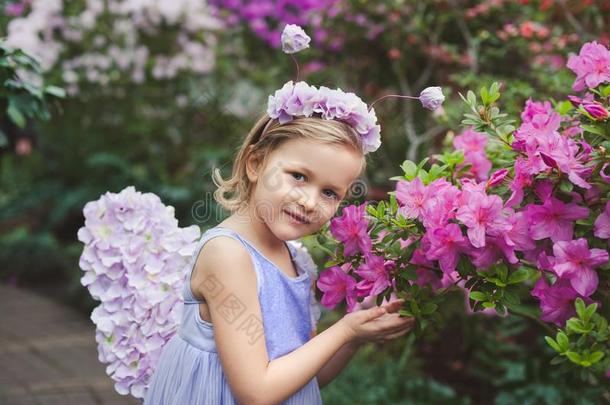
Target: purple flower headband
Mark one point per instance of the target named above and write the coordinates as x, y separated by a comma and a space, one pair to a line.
301, 99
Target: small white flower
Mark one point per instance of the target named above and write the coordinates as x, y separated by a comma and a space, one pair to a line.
294, 39
432, 97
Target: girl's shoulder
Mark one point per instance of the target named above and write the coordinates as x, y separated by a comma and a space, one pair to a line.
221, 255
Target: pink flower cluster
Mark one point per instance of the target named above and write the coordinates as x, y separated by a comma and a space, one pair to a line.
133, 261
556, 181
591, 65
544, 149
473, 144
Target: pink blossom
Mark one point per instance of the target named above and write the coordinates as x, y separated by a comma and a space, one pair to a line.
470, 141
351, 229
533, 108
591, 65
496, 247
411, 196
519, 232
446, 244
576, 262
425, 274
603, 173
601, 227
375, 274
473, 143
337, 286
554, 219
483, 215
570, 159
556, 301
523, 178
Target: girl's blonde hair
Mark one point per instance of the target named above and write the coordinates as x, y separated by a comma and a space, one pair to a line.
266, 136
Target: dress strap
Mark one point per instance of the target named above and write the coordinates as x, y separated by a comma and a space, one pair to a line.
188, 295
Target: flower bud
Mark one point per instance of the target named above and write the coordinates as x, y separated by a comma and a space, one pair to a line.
294, 39
432, 97
596, 110
576, 101
497, 177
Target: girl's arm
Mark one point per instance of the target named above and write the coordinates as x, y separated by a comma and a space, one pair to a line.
338, 362
224, 274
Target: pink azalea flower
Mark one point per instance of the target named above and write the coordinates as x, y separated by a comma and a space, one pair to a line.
470, 141
591, 65
481, 215
605, 173
375, 274
533, 108
350, 228
473, 143
554, 219
576, 262
519, 232
425, 274
495, 248
337, 286
570, 160
556, 301
446, 244
411, 196
522, 179
601, 227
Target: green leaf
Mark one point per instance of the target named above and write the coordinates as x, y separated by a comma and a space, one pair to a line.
563, 341
429, 308
577, 326
519, 276
55, 91
574, 357
557, 360
589, 311
566, 186
405, 312
15, 115
580, 306
563, 107
593, 129
409, 168
478, 296
596, 357
552, 343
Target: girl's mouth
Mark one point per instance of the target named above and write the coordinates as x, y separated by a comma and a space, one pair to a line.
297, 218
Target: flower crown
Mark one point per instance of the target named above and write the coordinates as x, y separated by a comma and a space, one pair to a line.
301, 99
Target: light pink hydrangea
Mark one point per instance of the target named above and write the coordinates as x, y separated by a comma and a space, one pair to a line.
133, 262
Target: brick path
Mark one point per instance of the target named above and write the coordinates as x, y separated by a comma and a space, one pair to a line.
48, 355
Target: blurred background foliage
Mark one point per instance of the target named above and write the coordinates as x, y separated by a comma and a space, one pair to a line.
157, 97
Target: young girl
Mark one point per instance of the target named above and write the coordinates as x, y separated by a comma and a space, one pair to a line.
246, 331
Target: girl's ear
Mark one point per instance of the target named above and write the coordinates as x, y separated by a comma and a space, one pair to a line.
253, 163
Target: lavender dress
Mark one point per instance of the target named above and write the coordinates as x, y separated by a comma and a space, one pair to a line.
189, 369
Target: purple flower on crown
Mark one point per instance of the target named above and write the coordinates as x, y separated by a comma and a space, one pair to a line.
301, 99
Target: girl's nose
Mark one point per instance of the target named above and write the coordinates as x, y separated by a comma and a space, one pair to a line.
308, 200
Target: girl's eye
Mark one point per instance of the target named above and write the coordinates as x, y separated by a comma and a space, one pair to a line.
332, 194
296, 174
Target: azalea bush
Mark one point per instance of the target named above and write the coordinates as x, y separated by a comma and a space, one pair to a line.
512, 211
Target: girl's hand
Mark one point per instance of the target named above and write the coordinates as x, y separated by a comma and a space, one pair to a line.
377, 324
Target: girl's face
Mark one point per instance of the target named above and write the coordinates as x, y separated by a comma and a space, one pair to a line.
302, 178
